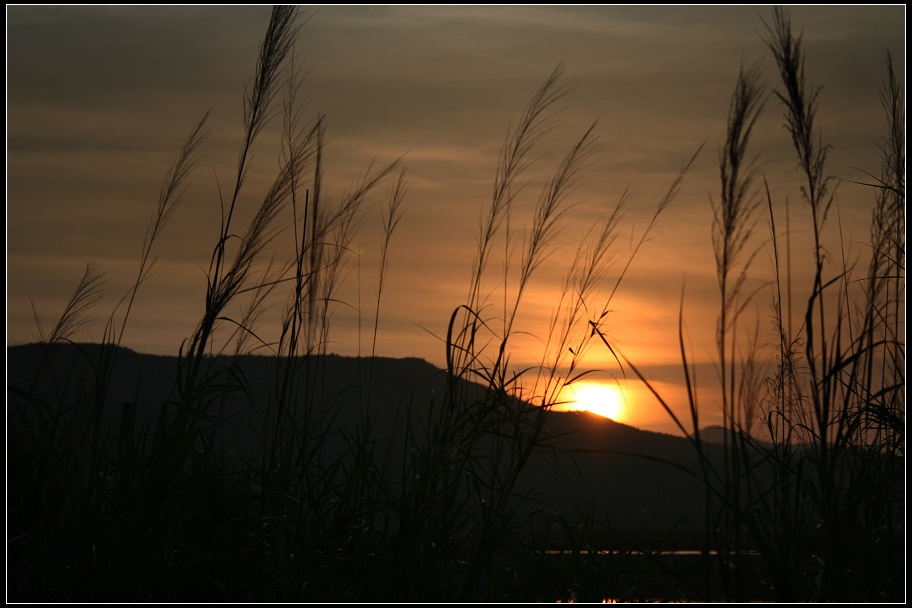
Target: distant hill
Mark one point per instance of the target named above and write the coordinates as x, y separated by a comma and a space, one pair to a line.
719, 435
642, 481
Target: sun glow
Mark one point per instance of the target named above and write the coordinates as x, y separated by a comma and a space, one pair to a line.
602, 399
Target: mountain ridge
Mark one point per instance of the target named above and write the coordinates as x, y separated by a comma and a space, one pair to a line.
641, 480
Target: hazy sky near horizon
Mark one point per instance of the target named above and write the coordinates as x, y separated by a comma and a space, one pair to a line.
100, 99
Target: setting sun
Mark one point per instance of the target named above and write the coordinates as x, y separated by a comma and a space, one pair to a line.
602, 399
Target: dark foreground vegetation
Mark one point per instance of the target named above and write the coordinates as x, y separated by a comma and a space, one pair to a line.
209, 482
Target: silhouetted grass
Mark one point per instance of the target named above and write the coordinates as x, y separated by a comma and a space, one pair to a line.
107, 504
823, 503
111, 504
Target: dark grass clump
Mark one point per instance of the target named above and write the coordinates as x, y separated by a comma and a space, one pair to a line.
137, 501
821, 502
121, 499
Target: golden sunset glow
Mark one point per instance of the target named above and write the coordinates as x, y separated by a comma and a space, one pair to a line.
534, 303
71, 186
599, 398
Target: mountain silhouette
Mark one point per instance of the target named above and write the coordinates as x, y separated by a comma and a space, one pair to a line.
641, 482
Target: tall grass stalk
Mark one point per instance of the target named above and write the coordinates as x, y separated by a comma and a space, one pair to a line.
391, 218
73, 319
734, 221
821, 501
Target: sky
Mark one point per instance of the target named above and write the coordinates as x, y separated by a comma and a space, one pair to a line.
100, 99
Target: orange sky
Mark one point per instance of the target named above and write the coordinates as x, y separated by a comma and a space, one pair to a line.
100, 99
